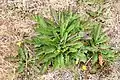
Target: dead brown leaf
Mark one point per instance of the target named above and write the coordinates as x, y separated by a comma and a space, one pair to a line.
100, 59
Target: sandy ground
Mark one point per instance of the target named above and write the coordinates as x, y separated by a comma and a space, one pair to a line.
16, 23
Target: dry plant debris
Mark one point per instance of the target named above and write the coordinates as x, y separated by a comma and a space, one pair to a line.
14, 23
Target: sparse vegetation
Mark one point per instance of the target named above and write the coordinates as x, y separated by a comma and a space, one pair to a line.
92, 1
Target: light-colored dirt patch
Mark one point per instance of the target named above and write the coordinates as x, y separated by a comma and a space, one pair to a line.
114, 25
